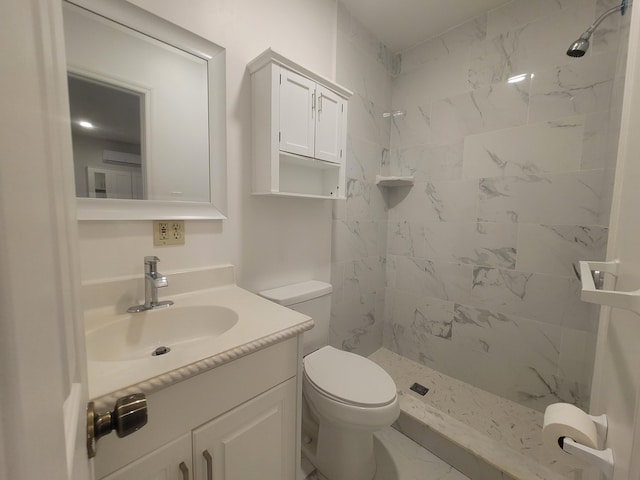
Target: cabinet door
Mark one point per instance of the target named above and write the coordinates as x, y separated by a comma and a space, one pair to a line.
255, 441
297, 115
329, 125
170, 462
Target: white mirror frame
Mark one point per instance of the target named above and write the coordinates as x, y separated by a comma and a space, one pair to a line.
151, 25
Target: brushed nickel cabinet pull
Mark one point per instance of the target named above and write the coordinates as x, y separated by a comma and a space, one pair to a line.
209, 459
185, 471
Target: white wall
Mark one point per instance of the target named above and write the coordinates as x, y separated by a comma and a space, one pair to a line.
616, 380
272, 241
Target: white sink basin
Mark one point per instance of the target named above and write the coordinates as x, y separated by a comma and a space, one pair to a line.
203, 328
138, 335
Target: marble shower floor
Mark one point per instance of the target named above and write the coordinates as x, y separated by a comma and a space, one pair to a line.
483, 435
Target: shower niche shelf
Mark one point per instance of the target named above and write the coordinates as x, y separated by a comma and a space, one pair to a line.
394, 181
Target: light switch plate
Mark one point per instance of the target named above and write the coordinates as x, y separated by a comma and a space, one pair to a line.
168, 232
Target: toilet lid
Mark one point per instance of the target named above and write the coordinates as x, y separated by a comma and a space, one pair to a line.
349, 377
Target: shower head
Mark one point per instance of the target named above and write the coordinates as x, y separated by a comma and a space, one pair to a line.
581, 45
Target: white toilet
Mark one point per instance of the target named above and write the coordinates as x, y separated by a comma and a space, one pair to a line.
346, 397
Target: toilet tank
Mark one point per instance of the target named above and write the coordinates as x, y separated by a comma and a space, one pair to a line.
311, 298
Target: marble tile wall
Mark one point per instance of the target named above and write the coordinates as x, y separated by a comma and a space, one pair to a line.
365, 66
513, 185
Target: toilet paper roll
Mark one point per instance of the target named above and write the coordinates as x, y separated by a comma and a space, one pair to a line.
565, 420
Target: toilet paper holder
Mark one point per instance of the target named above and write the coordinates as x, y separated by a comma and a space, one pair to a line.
603, 459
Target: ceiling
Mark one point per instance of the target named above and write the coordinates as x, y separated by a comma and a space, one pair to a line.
400, 24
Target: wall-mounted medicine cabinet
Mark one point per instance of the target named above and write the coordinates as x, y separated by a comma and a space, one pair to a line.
299, 122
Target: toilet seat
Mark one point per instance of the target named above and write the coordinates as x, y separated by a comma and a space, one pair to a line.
349, 378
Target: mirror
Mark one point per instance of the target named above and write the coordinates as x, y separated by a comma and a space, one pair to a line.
147, 107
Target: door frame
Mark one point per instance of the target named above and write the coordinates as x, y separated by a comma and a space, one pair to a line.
616, 381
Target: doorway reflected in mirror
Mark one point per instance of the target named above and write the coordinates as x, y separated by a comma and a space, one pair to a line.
106, 130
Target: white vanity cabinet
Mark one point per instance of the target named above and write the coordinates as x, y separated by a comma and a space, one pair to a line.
236, 421
253, 441
299, 122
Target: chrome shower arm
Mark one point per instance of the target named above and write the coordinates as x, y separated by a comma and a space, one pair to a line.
618, 8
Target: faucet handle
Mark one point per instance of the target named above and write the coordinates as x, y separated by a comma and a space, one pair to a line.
150, 264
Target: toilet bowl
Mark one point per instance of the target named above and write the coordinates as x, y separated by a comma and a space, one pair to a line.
346, 397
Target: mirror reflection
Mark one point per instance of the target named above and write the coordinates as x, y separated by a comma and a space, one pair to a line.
139, 112
107, 143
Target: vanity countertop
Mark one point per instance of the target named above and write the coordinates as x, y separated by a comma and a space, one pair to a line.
260, 323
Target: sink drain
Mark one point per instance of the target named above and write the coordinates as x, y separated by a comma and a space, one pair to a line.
160, 351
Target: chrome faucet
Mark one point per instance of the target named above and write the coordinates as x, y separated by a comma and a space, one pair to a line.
153, 280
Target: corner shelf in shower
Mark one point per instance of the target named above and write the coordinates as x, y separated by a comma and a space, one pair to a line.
393, 181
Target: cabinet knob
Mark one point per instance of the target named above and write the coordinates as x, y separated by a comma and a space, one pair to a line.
129, 415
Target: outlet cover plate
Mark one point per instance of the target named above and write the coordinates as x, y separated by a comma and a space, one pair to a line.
168, 232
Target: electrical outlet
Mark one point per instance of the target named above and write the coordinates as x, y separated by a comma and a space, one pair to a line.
177, 231
168, 232
163, 230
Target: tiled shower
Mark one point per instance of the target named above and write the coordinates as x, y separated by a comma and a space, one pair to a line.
512, 145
